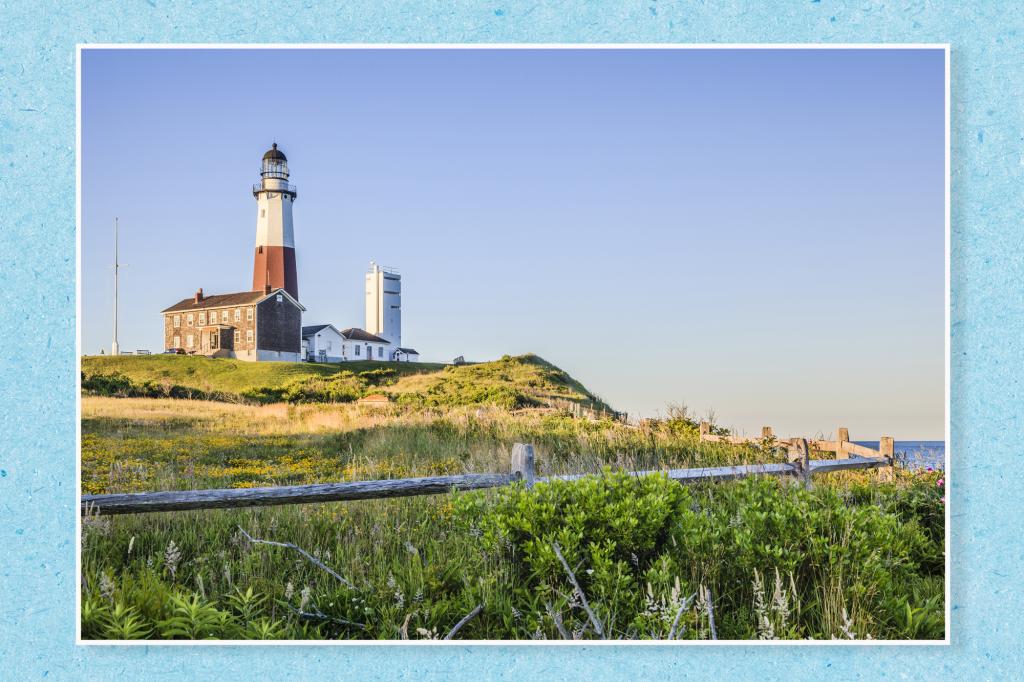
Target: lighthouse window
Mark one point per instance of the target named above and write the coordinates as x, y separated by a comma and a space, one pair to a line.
263, 213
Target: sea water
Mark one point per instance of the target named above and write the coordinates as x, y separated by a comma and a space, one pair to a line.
915, 454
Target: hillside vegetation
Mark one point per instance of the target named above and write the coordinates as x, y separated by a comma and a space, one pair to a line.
852, 558
511, 382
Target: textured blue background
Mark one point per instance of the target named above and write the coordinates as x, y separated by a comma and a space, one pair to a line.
37, 323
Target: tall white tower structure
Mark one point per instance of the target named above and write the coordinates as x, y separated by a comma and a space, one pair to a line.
274, 262
384, 304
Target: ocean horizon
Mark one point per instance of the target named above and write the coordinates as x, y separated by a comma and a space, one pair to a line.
915, 454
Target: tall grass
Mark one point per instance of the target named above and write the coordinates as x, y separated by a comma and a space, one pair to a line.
854, 558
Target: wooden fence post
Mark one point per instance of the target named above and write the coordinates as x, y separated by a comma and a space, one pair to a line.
705, 428
843, 437
800, 454
886, 448
523, 463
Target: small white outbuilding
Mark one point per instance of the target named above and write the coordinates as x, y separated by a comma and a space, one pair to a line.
322, 343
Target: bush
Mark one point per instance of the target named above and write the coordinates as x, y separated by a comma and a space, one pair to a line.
635, 543
119, 386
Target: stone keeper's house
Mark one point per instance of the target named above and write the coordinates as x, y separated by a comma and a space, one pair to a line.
249, 325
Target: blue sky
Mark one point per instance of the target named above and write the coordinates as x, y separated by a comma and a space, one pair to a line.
757, 232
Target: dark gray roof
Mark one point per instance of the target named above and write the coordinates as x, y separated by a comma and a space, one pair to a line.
309, 331
223, 300
275, 153
356, 334
216, 301
409, 351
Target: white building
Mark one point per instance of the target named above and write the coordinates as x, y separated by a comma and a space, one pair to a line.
362, 345
384, 311
384, 304
324, 343
406, 355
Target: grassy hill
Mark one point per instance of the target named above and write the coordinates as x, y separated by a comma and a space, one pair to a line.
512, 382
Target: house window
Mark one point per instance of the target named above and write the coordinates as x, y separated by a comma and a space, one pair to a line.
214, 340
280, 298
189, 319
357, 349
238, 314
224, 316
238, 336
248, 336
177, 342
188, 341
177, 321
380, 351
248, 314
202, 319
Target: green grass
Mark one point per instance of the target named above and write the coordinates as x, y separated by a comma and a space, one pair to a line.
415, 567
226, 375
140, 444
511, 382
850, 559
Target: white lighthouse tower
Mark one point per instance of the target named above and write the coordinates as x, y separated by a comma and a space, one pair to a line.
384, 304
274, 262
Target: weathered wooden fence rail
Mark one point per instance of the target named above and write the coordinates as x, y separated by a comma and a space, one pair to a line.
522, 468
841, 445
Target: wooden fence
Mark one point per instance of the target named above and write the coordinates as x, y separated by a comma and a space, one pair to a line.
841, 445
522, 469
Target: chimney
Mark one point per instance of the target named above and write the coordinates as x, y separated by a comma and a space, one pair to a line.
199, 295
266, 288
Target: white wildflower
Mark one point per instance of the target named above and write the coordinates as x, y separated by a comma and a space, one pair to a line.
172, 555
106, 586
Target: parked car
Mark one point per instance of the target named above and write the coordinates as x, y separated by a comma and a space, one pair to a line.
174, 351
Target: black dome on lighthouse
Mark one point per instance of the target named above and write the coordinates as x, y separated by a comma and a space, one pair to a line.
274, 154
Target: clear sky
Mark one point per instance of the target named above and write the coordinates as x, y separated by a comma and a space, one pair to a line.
756, 232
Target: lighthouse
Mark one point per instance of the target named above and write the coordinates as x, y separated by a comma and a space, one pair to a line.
274, 262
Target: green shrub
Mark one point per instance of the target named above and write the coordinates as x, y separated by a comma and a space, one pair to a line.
636, 542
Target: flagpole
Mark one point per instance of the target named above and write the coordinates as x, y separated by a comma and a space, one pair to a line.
114, 349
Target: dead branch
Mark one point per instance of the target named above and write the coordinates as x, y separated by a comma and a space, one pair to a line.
557, 618
675, 623
469, 616
312, 559
404, 631
317, 614
583, 598
711, 613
